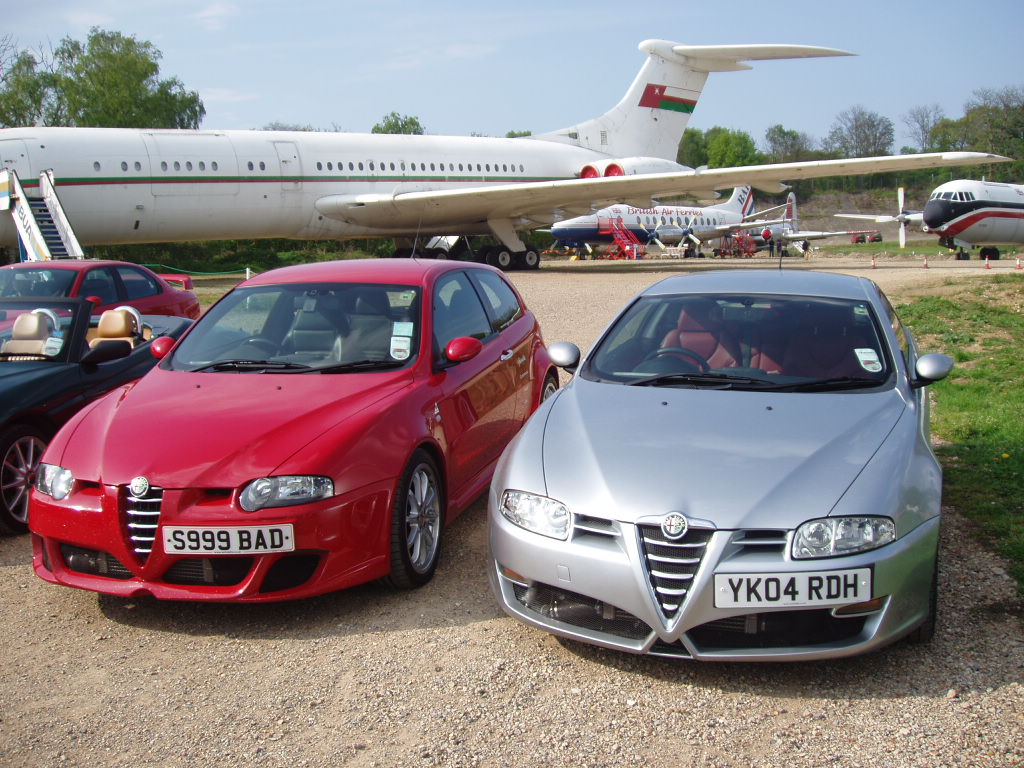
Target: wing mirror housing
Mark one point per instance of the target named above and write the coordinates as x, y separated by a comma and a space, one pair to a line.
565, 355
463, 348
161, 346
931, 368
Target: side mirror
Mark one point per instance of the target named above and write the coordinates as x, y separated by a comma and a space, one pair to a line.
565, 355
105, 351
161, 346
931, 368
463, 348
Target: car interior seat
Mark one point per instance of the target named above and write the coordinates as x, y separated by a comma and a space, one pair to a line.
121, 324
824, 347
28, 336
702, 329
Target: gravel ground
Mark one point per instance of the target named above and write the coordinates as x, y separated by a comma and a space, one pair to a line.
440, 677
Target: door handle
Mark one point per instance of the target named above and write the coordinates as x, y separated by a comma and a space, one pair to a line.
507, 354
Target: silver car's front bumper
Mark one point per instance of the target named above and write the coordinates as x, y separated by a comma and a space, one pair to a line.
597, 588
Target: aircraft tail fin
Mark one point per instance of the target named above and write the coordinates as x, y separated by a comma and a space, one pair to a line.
791, 215
741, 201
650, 119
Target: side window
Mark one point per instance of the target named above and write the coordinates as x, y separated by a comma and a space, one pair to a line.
99, 282
504, 304
137, 284
901, 333
458, 311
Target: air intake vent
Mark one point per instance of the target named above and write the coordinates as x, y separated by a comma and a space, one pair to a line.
143, 516
671, 565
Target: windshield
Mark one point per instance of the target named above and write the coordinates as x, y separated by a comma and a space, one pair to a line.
38, 281
299, 328
754, 342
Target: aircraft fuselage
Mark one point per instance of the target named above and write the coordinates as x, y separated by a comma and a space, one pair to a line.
139, 186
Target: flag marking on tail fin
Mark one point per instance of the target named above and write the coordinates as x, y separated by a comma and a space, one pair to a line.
658, 97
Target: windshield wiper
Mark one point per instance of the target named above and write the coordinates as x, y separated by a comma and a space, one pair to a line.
838, 383
705, 380
361, 365
251, 365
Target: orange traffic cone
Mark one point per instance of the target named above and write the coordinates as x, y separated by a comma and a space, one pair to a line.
1018, 263
874, 266
987, 265
926, 261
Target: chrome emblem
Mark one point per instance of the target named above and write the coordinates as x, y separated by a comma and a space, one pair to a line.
674, 526
139, 486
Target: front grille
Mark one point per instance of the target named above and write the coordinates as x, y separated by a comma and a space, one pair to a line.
756, 540
217, 571
143, 518
580, 611
671, 564
781, 629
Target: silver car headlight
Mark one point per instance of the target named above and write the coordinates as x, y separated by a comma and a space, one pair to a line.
284, 491
54, 481
538, 514
835, 536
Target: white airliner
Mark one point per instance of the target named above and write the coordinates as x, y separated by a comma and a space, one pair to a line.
664, 224
965, 214
137, 186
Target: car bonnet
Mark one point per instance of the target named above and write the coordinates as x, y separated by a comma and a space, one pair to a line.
184, 430
737, 459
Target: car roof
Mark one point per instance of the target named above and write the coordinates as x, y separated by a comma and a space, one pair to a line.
70, 264
798, 282
401, 271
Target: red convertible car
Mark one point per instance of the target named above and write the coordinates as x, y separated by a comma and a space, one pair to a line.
314, 430
109, 283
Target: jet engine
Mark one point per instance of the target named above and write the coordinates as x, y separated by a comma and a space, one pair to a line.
629, 166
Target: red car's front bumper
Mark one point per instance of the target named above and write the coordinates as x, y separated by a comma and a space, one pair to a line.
338, 542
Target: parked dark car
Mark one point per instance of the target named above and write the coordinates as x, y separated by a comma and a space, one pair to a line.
54, 358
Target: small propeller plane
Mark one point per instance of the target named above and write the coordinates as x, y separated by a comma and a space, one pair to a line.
964, 214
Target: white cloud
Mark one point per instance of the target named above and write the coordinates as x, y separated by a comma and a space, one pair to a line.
215, 16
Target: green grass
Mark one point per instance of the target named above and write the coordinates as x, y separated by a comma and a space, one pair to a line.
979, 410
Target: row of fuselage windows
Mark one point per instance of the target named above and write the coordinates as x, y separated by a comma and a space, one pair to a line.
370, 165
678, 221
402, 166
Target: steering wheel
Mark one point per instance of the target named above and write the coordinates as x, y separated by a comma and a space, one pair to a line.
702, 362
261, 343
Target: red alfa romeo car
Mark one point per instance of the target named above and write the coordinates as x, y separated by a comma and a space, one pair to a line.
315, 429
110, 284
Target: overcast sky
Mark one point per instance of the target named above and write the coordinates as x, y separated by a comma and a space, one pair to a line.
487, 68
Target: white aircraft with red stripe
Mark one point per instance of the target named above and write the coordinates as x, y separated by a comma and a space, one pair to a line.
120, 185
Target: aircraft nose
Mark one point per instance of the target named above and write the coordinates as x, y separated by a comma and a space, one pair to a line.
936, 214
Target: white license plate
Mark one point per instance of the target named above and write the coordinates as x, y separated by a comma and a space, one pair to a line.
239, 540
809, 588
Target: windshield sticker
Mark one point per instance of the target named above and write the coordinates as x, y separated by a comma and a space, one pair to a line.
52, 346
868, 359
402, 329
400, 347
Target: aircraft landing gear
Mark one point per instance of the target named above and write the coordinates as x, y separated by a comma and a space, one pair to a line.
989, 252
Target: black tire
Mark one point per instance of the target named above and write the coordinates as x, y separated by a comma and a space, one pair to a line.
550, 386
21, 447
500, 257
417, 520
926, 631
531, 259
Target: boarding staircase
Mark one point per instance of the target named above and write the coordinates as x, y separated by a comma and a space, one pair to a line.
625, 245
44, 231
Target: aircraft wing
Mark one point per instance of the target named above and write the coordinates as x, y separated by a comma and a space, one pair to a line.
818, 235
908, 216
724, 229
535, 204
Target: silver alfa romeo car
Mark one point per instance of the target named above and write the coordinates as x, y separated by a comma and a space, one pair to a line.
739, 470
